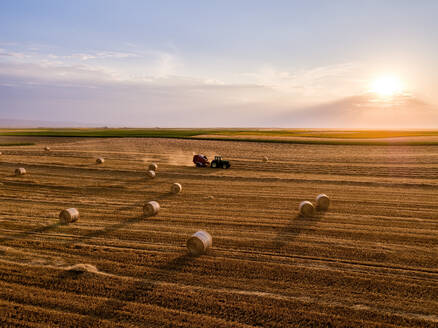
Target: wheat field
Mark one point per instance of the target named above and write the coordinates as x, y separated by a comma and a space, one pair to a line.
371, 260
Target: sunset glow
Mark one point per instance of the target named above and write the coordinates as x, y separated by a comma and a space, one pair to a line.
387, 86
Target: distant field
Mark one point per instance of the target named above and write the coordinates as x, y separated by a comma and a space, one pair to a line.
102, 132
298, 136
370, 261
341, 134
16, 144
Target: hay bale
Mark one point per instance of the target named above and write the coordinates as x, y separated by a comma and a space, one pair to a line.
20, 171
176, 188
69, 215
47, 148
322, 202
306, 208
151, 174
199, 243
151, 208
100, 160
82, 268
153, 167
265, 159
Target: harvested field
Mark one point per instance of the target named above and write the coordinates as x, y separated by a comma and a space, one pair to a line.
370, 260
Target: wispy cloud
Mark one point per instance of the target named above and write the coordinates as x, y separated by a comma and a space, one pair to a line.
134, 65
64, 92
315, 84
13, 54
103, 55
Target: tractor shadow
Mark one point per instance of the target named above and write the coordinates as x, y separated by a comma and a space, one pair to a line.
296, 227
199, 171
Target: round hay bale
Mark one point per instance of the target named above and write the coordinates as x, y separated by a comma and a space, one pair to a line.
306, 208
151, 208
100, 160
20, 171
151, 174
153, 167
68, 215
322, 202
176, 188
265, 159
199, 243
47, 148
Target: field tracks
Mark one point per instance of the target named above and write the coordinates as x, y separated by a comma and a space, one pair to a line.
370, 260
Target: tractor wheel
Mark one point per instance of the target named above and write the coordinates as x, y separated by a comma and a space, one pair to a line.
213, 165
224, 166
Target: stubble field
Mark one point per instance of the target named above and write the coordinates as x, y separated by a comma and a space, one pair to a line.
371, 260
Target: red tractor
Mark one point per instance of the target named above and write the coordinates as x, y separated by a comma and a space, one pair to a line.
201, 160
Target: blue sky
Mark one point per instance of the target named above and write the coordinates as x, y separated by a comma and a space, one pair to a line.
216, 63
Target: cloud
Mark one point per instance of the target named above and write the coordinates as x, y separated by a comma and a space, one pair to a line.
364, 111
64, 93
103, 55
51, 74
13, 54
149, 88
136, 64
310, 85
95, 95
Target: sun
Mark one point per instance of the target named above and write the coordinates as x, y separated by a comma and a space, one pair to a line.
387, 86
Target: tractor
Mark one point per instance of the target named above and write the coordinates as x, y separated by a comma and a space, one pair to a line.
218, 162
202, 161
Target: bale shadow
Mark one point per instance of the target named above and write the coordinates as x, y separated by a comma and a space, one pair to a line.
166, 271
296, 227
113, 227
136, 181
132, 220
165, 195
71, 274
24, 234
84, 165
137, 290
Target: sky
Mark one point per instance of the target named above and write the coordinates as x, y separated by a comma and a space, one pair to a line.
221, 63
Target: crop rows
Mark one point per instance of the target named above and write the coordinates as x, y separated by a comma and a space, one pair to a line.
369, 261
